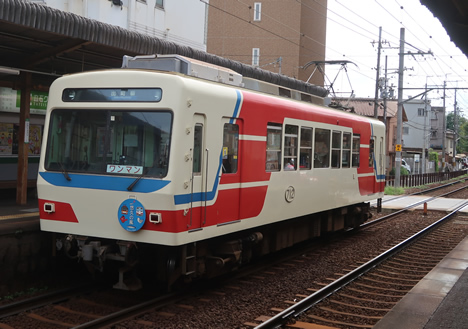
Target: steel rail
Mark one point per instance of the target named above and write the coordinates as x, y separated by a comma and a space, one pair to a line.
411, 206
133, 311
44, 299
297, 309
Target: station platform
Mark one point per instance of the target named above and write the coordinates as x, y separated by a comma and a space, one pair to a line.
440, 299
393, 202
15, 217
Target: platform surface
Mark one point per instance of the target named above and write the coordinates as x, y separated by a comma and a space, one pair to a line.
437, 204
439, 300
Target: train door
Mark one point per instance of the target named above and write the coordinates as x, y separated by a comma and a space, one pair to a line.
381, 164
376, 157
229, 188
198, 180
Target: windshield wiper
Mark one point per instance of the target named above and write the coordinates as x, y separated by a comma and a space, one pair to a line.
64, 172
131, 186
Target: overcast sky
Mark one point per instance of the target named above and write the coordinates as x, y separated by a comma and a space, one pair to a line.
353, 33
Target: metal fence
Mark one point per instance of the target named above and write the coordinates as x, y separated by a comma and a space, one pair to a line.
422, 179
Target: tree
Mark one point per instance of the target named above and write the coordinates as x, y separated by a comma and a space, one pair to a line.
449, 121
462, 144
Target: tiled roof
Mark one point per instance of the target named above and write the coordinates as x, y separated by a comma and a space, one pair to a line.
365, 106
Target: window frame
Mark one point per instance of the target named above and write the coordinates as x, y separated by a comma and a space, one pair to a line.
346, 149
290, 142
255, 56
306, 149
356, 150
257, 15
231, 165
336, 149
109, 142
199, 154
159, 4
371, 151
325, 158
274, 132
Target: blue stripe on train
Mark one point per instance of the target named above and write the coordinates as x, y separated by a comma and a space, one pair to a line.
209, 195
108, 183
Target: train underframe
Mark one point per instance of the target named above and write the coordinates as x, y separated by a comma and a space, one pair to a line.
207, 258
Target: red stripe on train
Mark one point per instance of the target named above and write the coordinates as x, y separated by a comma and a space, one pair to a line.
63, 212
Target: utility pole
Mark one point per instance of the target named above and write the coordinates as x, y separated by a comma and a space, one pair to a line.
398, 146
379, 48
400, 108
423, 166
455, 128
385, 97
444, 133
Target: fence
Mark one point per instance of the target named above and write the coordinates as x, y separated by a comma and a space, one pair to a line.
422, 179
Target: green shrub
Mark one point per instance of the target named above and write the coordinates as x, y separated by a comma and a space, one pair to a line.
403, 171
434, 156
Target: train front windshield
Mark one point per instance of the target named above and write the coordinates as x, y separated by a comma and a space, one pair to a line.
110, 142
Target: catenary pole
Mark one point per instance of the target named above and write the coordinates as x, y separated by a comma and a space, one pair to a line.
377, 74
400, 107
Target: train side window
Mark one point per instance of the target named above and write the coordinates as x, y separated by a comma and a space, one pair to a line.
336, 149
273, 147
305, 159
346, 154
356, 150
197, 149
322, 148
371, 152
230, 148
290, 147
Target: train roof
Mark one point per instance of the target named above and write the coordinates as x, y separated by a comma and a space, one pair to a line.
199, 69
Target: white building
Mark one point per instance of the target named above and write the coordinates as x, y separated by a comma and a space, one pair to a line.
181, 21
416, 134
423, 130
417, 130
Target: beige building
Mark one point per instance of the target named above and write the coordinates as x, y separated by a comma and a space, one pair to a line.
276, 35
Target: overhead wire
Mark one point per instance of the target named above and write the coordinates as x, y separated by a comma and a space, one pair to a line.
347, 27
421, 63
275, 20
310, 51
425, 31
355, 28
438, 60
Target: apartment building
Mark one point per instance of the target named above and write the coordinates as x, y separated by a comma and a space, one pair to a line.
179, 21
276, 35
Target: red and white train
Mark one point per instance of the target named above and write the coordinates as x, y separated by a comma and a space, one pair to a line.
195, 173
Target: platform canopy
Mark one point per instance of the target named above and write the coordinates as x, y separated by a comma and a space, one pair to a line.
453, 15
52, 42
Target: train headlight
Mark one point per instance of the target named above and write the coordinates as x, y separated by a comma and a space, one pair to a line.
155, 217
49, 207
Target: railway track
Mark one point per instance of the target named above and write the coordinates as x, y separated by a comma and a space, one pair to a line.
44, 299
87, 306
93, 310
451, 189
360, 298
